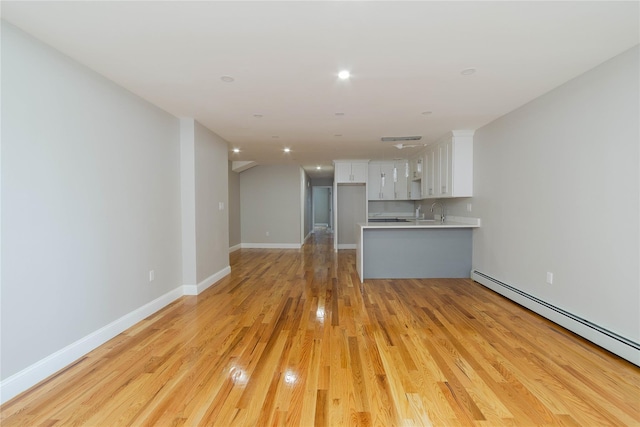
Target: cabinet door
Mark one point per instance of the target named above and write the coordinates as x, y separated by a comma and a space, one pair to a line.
444, 161
387, 187
416, 167
401, 174
359, 172
342, 172
374, 190
429, 180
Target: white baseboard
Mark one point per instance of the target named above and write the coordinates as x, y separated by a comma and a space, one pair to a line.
197, 289
346, 245
308, 235
32, 375
271, 245
623, 347
235, 248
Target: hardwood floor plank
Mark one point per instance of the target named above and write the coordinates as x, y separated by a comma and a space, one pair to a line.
291, 337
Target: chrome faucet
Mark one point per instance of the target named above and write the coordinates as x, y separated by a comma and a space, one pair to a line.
441, 210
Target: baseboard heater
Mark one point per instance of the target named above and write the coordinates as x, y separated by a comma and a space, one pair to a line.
617, 344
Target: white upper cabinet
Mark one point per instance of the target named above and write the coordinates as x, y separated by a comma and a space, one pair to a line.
429, 174
351, 171
449, 166
415, 167
359, 171
388, 180
401, 179
381, 184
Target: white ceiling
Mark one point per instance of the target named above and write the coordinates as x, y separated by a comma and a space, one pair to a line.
405, 59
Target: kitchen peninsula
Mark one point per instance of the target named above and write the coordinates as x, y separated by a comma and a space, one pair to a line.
415, 249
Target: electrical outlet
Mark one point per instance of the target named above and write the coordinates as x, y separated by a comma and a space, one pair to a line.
549, 278
468, 207
267, 234
152, 275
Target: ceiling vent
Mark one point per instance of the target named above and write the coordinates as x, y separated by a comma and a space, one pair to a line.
400, 138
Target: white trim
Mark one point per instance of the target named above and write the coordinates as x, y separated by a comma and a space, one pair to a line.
200, 287
271, 245
346, 246
32, 375
308, 235
590, 333
235, 247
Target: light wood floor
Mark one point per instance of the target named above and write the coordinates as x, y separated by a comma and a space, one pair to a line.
292, 338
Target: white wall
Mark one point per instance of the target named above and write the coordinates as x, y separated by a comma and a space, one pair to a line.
556, 185
234, 208
322, 182
90, 201
306, 204
211, 188
270, 202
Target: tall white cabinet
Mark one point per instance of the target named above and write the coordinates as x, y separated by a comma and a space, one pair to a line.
448, 166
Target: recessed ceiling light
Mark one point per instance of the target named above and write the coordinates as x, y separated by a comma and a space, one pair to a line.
257, 116
338, 134
275, 136
318, 167
287, 150
227, 79
426, 113
339, 114
344, 74
236, 150
468, 71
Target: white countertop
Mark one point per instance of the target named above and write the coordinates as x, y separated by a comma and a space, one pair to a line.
451, 222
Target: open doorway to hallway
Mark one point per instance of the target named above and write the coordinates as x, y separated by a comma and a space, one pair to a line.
322, 199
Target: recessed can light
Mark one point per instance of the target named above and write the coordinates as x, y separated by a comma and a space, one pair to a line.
287, 150
275, 136
318, 167
338, 134
257, 116
426, 113
227, 79
236, 150
468, 71
339, 114
344, 74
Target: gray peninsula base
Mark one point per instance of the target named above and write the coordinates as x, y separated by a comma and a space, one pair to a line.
417, 253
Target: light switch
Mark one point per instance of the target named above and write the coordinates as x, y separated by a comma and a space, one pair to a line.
220, 206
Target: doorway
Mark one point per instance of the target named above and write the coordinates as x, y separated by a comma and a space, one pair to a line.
322, 198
